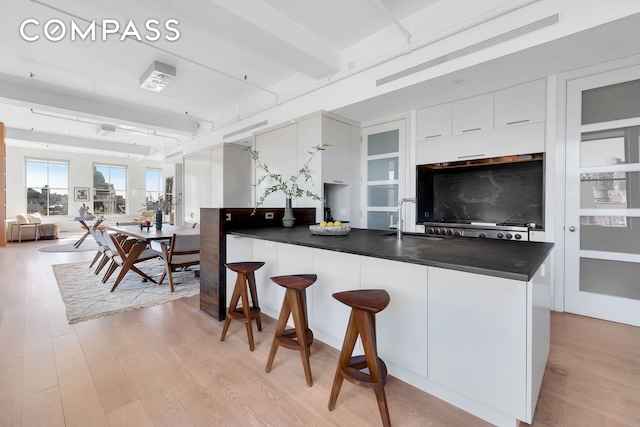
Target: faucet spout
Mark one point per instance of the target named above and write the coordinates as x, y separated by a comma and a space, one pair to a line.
400, 203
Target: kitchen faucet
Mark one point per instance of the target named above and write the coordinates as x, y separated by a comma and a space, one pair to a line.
400, 203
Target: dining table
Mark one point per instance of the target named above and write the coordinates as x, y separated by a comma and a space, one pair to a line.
82, 220
144, 236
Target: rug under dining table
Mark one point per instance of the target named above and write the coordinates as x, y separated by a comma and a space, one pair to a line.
86, 297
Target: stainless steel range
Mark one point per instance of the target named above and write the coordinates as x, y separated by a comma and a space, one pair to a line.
484, 230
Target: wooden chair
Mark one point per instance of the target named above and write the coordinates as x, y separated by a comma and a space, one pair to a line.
124, 255
182, 251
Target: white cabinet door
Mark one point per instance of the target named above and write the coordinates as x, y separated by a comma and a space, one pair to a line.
433, 122
279, 151
477, 338
472, 115
197, 185
239, 249
293, 259
520, 105
267, 252
402, 326
336, 272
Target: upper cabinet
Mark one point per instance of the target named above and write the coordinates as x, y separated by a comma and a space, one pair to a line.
433, 122
520, 105
472, 115
506, 122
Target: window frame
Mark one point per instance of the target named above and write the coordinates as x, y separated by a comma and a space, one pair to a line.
115, 209
48, 162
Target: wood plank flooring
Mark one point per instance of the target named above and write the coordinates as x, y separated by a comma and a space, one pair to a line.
165, 366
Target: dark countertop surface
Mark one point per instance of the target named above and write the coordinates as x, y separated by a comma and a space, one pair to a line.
508, 259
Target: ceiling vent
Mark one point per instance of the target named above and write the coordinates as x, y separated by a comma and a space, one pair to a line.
104, 130
157, 76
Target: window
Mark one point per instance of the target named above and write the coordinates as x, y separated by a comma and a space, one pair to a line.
110, 189
47, 187
154, 189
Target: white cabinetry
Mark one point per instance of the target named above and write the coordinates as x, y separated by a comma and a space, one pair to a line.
520, 105
478, 336
278, 150
216, 178
337, 272
335, 170
433, 122
472, 114
239, 249
268, 293
402, 325
517, 127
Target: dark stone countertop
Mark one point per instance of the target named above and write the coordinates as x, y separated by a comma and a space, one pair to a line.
507, 259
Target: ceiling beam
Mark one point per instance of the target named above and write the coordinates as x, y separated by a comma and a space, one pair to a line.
36, 94
288, 41
77, 142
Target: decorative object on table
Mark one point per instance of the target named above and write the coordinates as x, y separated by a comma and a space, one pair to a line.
288, 186
324, 229
159, 219
145, 224
81, 194
83, 212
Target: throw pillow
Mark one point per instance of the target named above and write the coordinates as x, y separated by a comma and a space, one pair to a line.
34, 218
22, 219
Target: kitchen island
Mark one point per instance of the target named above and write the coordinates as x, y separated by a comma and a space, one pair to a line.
468, 320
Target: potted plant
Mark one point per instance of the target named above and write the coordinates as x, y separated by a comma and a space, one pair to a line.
290, 187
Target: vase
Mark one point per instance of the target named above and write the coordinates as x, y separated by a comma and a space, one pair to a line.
288, 219
158, 219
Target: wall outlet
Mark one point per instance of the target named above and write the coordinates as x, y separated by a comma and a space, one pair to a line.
268, 215
228, 217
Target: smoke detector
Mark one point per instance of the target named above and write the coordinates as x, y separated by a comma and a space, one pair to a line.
104, 130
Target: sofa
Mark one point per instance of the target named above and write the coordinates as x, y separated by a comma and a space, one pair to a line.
25, 227
145, 215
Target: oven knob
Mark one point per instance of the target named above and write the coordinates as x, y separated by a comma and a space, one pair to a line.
429, 230
457, 233
518, 237
500, 235
482, 235
443, 231
449, 233
509, 235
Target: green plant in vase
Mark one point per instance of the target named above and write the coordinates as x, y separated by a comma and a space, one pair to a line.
290, 187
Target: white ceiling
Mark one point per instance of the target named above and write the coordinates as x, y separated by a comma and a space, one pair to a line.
230, 54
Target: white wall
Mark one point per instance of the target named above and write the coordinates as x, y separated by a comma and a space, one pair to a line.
80, 175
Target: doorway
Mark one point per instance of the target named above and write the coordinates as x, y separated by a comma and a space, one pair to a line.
602, 211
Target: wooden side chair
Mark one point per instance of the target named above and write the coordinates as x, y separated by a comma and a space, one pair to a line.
125, 255
182, 251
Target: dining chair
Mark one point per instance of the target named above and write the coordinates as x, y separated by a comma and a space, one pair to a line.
125, 255
181, 252
104, 253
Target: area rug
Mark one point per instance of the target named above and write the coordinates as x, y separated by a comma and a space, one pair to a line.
86, 297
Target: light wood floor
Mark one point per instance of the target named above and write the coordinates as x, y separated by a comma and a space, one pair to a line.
165, 366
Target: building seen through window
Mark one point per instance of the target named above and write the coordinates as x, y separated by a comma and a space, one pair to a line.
110, 190
47, 187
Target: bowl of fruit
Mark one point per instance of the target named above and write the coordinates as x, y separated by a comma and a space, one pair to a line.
331, 228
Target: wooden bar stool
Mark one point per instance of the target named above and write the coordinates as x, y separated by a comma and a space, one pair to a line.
295, 303
246, 280
364, 306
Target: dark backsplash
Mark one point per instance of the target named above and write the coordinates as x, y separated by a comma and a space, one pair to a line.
509, 192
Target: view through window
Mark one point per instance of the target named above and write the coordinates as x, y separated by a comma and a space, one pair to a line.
47, 187
110, 189
154, 195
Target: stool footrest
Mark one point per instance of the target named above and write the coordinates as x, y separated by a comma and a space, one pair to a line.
238, 314
354, 372
289, 339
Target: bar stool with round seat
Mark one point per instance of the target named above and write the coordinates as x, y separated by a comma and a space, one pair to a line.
295, 303
245, 286
364, 306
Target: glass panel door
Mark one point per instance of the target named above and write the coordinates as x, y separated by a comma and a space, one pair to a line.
384, 173
602, 225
